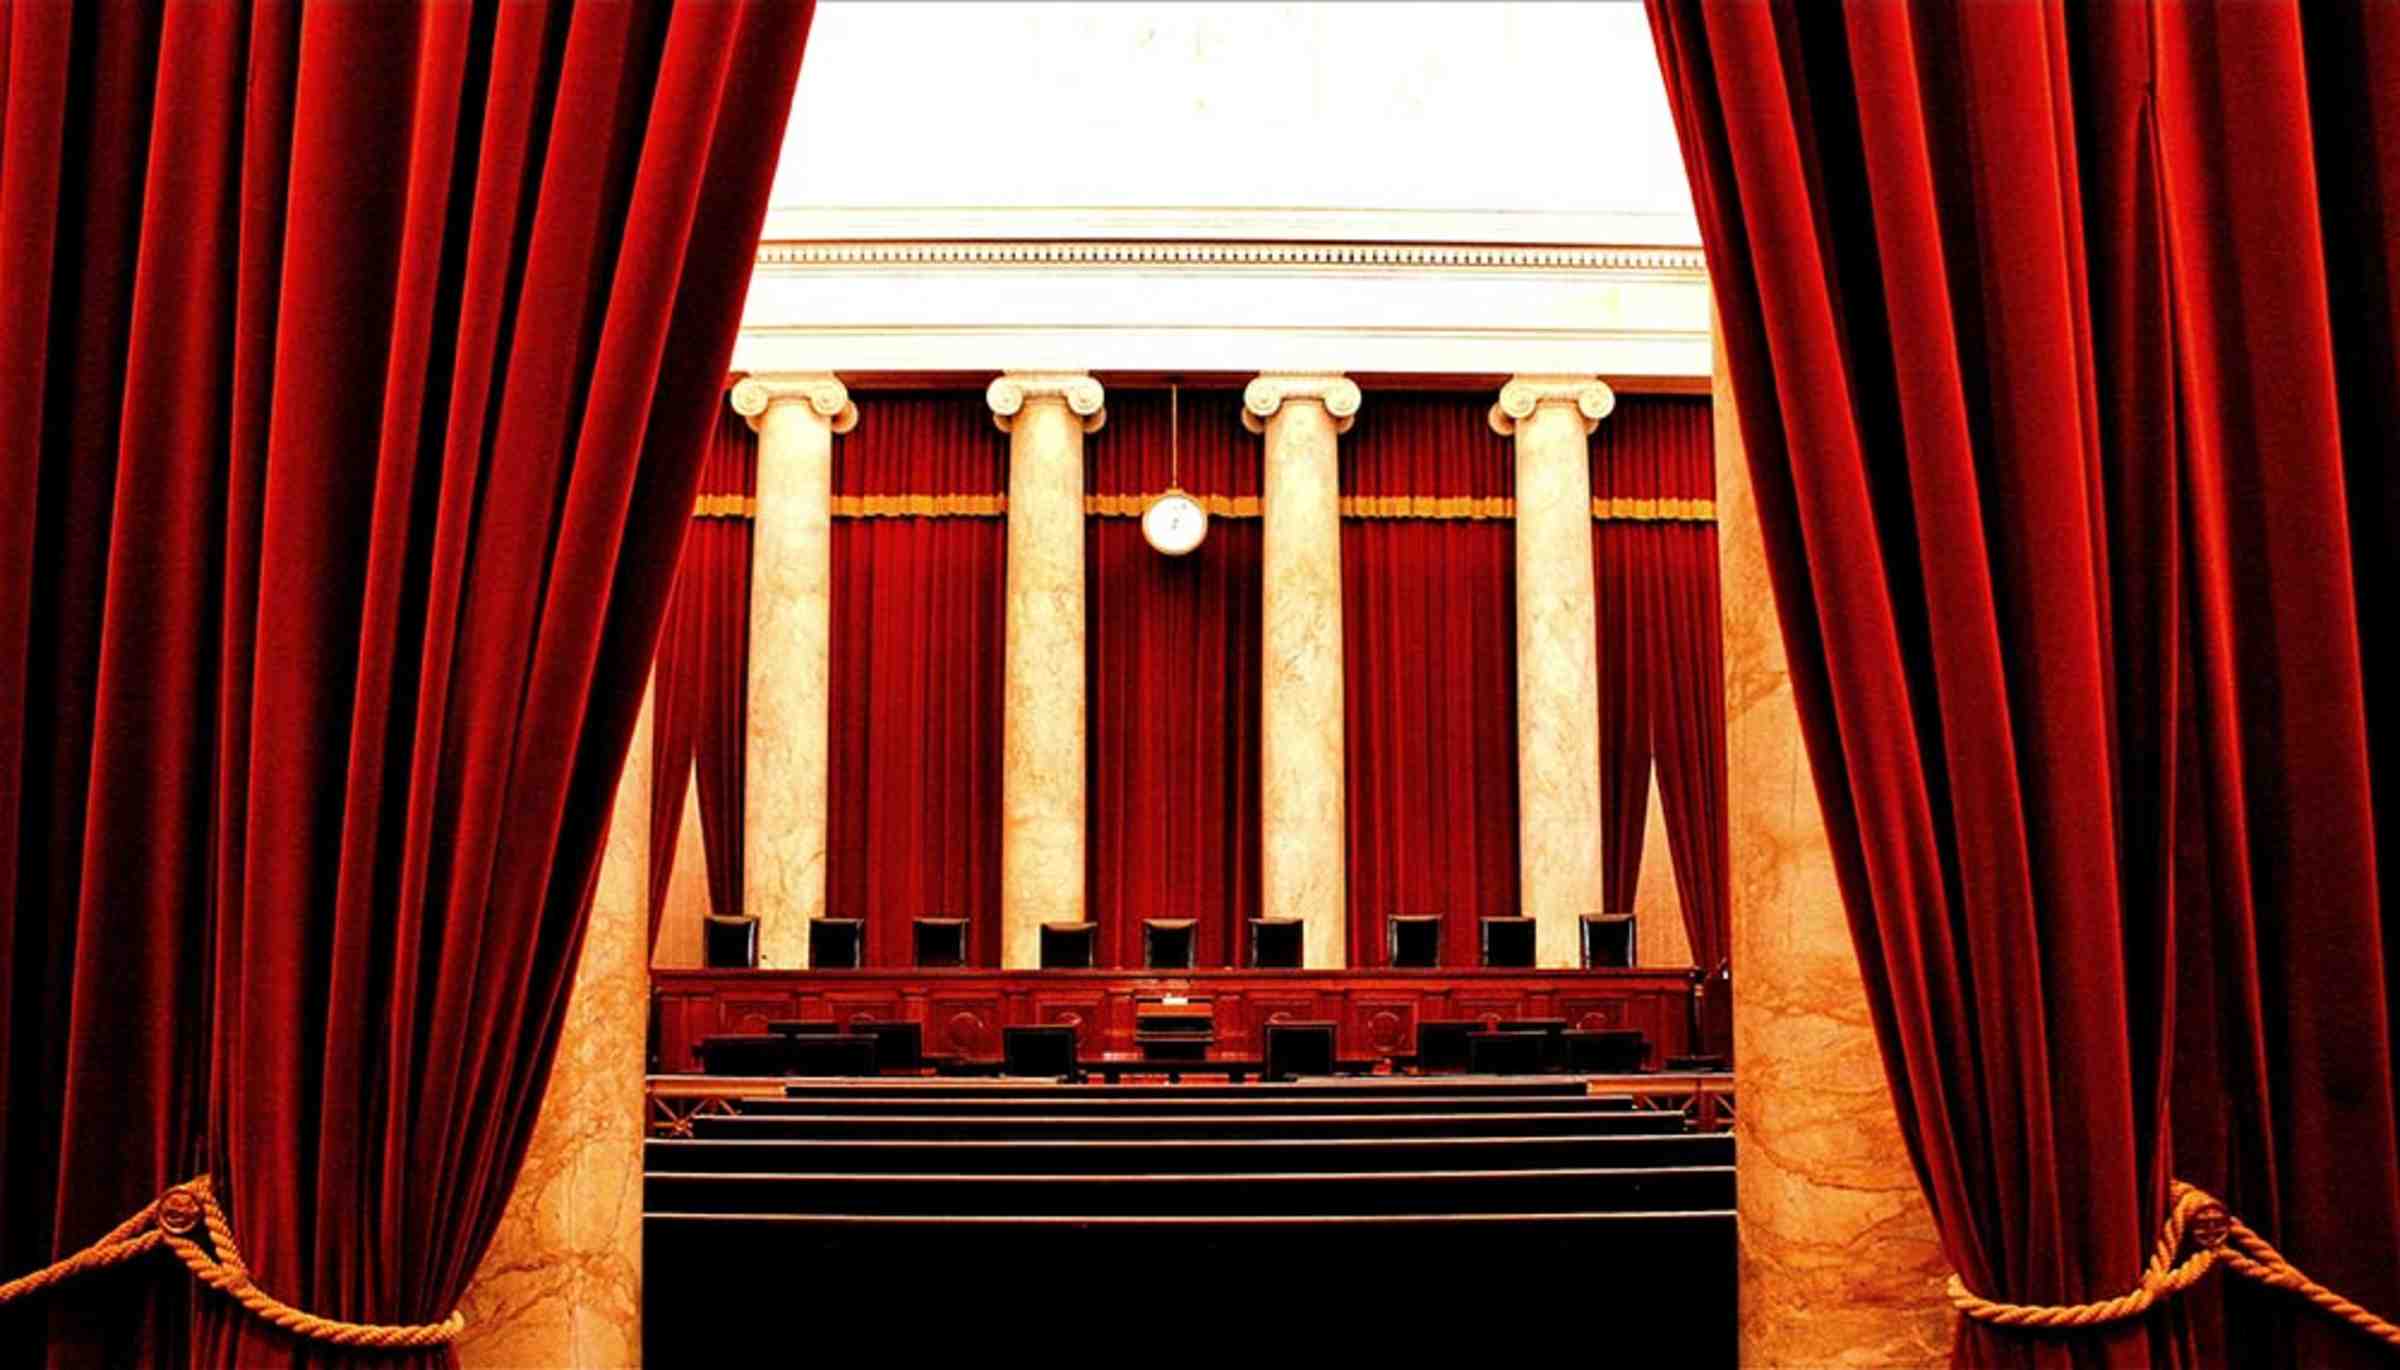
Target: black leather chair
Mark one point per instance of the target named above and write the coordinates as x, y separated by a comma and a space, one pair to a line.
1068, 946
1414, 941
898, 1045
1299, 1048
1607, 940
1442, 1042
744, 1053
1508, 943
941, 943
837, 943
1046, 1050
1608, 1051
730, 943
1552, 1031
1505, 1053
819, 1054
1167, 943
1275, 943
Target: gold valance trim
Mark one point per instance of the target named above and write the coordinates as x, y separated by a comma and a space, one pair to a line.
724, 507
919, 506
1463, 507
1131, 506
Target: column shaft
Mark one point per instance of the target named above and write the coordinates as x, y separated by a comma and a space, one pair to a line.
562, 1282
1839, 1261
1042, 723
1302, 764
1558, 690
791, 609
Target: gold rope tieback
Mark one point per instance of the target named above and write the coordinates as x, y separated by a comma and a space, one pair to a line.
170, 1220
2216, 1237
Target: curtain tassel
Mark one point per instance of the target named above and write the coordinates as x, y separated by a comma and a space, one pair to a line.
2215, 1237
170, 1220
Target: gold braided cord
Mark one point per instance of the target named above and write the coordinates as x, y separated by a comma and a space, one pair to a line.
1655, 510
2199, 1219
919, 506
170, 1220
724, 507
1134, 506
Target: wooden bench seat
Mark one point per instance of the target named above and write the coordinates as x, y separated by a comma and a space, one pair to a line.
1364, 1088
1520, 1122
1069, 1105
1122, 1156
1343, 1193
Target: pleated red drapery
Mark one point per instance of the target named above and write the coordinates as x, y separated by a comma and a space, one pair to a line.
700, 716
920, 580
2065, 351
357, 362
1172, 656
1661, 635
1429, 640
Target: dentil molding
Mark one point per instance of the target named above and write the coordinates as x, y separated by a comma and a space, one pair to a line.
1671, 262
1082, 395
822, 392
1523, 395
1263, 396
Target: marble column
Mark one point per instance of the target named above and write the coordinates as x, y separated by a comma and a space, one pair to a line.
1839, 1262
1046, 416
1558, 686
791, 608
1303, 839
562, 1282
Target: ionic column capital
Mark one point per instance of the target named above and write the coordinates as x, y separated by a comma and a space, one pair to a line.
1590, 396
1264, 396
1082, 396
821, 391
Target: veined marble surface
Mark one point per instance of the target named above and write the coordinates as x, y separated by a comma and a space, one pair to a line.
1840, 1265
1659, 934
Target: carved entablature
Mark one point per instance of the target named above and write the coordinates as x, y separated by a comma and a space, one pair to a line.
1082, 396
1590, 396
822, 392
1262, 397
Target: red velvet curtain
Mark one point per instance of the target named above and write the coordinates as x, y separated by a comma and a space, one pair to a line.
700, 716
1429, 637
357, 361
1662, 674
2064, 346
920, 581
1172, 657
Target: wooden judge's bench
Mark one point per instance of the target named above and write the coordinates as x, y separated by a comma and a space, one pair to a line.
962, 1011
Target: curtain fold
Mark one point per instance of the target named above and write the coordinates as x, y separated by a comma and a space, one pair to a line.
1172, 655
1662, 672
2064, 347
358, 361
1429, 643
700, 718
917, 657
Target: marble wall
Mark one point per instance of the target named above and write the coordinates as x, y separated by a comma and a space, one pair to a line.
562, 1282
1660, 938
1839, 1262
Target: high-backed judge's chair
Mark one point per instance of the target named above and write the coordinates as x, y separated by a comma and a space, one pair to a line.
941, 943
1167, 943
1607, 940
837, 943
730, 943
1068, 946
1413, 941
1275, 943
1508, 943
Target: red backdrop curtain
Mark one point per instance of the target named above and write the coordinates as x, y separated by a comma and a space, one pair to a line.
1662, 675
357, 362
1172, 656
1429, 642
2064, 346
700, 716
920, 579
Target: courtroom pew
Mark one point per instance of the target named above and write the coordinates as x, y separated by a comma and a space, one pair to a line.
1072, 1106
965, 1126
1623, 1289
1641, 1189
1377, 1087
1287, 1154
